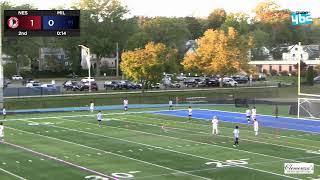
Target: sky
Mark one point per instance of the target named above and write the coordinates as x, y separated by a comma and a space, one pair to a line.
181, 8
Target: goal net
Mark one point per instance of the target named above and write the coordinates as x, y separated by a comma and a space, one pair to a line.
309, 108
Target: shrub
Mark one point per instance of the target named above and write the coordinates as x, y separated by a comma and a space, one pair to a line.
284, 73
274, 72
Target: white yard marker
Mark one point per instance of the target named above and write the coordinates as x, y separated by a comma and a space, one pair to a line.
17, 162
4, 163
78, 156
30, 160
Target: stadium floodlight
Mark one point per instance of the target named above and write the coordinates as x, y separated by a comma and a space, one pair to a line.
86, 59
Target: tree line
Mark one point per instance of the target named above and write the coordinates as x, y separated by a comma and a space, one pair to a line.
104, 23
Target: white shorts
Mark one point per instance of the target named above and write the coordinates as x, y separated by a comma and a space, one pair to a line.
214, 127
256, 129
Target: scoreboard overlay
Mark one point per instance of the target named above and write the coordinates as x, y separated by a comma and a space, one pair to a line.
41, 22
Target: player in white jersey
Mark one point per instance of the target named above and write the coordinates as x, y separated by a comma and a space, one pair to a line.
253, 113
236, 133
91, 106
255, 127
125, 104
170, 105
4, 113
248, 115
1, 132
189, 113
215, 122
99, 118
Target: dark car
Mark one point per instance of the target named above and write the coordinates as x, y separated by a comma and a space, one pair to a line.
26, 81
71, 85
241, 79
112, 85
85, 86
212, 82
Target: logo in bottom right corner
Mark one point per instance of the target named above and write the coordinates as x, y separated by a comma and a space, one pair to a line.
298, 168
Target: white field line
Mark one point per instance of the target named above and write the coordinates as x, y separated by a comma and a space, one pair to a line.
138, 92
178, 152
240, 123
91, 115
204, 133
107, 152
209, 126
10, 173
60, 160
303, 119
214, 168
187, 140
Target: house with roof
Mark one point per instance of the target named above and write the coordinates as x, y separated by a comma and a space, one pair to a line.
309, 54
53, 59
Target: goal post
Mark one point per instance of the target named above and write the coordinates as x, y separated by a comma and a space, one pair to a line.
309, 108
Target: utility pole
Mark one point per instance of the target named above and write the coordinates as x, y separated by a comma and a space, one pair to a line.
117, 63
1, 68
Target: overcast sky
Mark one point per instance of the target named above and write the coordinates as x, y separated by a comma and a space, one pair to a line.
200, 8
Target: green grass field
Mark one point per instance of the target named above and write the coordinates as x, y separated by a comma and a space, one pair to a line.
135, 146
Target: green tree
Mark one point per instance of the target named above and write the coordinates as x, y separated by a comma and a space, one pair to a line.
103, 25
216, 18
22, 50
194, 27
310, 75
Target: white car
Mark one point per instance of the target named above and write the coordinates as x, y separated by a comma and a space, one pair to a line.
229, 82
17, 77
86, 79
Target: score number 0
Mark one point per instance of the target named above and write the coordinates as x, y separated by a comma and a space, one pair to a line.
50, 22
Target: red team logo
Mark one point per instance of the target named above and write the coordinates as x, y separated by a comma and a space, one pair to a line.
13, 22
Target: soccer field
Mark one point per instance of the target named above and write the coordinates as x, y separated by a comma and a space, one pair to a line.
150, 144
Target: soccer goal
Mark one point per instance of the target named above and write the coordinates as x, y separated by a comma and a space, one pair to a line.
309, 108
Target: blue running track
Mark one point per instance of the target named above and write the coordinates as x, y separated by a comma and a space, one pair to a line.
304, 125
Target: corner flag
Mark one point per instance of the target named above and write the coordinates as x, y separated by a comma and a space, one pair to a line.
85, 57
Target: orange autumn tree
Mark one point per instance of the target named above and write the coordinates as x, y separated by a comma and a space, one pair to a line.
146, 65
219, 52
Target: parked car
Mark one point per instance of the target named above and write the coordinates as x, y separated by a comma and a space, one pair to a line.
316, 80
86, 79
85, 86
172, 85
212, 82
33, 84
71, 85
190, 82
229, 82
49, 87
181, 78
16, 77
240, 79
112, 85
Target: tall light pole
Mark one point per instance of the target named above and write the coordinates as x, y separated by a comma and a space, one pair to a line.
1, 69
117, 63
88, 63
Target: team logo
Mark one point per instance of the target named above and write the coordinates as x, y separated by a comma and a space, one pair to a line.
13, 22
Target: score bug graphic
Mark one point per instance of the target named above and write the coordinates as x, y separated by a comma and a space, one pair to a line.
41, 22
13, 22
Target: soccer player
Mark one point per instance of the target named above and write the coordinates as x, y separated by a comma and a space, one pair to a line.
125, 104
99, 118
276, 111
4, 113
1, 132
170, 105
215, 122
248, 114
236, 133
255, 127
189, 113
91, 106
253, 113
